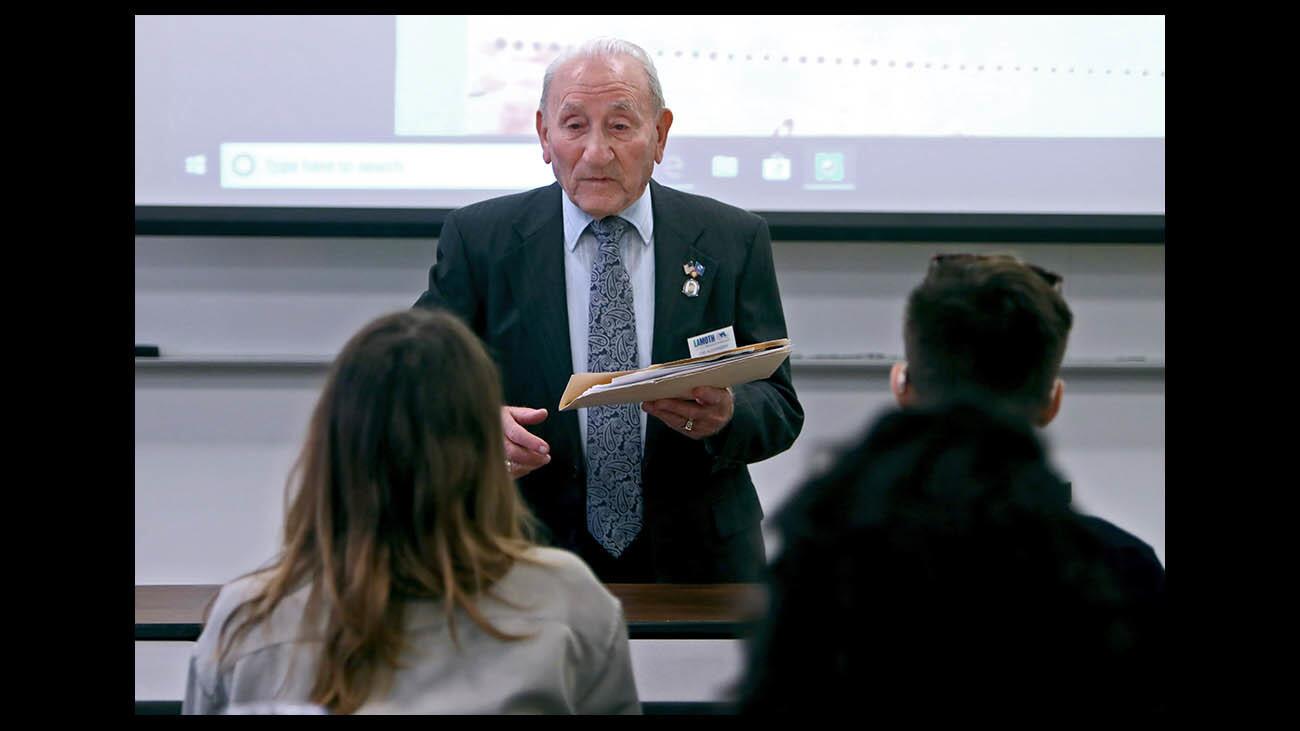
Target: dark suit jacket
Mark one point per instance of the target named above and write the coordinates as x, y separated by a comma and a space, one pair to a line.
500, 266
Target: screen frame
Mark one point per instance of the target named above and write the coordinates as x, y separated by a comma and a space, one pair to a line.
419, 223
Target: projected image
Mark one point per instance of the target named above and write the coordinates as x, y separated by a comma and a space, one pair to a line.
1055, 76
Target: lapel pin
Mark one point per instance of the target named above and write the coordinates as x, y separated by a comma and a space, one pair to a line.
693, 269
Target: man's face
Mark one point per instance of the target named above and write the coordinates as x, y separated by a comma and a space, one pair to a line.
600, 134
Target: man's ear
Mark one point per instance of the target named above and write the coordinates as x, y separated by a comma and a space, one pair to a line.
542, 136
898, 384
1053, 404
661, 130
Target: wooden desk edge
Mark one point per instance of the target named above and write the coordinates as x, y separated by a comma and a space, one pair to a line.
173, 612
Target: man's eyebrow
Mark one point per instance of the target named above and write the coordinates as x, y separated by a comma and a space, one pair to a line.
569, 108
622, 105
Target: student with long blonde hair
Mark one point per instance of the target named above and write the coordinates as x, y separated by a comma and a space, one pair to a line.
408, 581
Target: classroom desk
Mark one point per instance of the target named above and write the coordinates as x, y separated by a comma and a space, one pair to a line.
654, 611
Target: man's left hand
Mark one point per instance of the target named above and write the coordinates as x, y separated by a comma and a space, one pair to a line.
702, 416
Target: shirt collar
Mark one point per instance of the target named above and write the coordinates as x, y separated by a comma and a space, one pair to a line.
640, 214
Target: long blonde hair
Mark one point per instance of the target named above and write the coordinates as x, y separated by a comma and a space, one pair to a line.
401, 494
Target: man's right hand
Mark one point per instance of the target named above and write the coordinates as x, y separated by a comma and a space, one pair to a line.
525, 451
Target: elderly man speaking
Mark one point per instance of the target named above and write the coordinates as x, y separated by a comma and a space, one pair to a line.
607, 270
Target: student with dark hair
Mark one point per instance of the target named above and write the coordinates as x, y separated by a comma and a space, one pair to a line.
939, 566
408, 581
993, 327
988, 326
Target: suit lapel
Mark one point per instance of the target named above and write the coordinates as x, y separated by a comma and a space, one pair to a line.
677, 316
535, 267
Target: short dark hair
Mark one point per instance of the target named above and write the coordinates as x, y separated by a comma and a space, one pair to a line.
988, 325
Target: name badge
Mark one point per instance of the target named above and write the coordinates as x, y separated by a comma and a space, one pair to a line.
712, 342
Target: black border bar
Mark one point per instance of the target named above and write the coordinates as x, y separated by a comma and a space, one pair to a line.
784, 225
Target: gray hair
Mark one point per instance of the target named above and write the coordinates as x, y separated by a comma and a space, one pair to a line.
607, 48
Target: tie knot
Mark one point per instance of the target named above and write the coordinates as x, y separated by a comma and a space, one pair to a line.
608, 229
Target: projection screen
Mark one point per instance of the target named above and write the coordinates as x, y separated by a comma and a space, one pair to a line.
898, 114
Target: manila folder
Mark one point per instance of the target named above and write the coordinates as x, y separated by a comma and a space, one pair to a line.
727, 368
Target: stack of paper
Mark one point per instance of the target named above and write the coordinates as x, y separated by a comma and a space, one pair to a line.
676, 379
